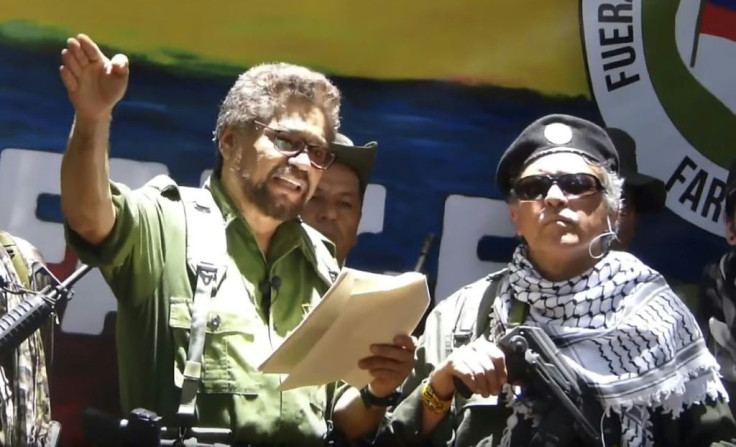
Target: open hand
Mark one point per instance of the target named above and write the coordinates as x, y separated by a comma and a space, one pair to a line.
94, 82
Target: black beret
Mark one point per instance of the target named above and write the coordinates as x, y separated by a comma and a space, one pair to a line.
554, 133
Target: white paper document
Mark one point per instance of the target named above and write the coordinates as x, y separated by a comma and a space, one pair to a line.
360, 309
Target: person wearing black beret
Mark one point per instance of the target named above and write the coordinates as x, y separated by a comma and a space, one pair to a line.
634, 347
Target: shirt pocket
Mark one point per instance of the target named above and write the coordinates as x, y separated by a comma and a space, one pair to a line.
231, 353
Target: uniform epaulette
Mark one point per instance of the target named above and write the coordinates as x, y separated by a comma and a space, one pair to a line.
164, 185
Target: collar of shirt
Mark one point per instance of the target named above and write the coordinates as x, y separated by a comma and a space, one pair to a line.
288, 236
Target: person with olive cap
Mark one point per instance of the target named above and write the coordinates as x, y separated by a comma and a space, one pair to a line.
632, 343
336, 207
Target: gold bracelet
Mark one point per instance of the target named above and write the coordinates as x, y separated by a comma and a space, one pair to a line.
434, 403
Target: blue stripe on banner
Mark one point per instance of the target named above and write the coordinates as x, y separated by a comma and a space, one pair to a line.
727, 4
48, 208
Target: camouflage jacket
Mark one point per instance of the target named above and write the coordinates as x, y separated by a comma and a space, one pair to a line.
25, 409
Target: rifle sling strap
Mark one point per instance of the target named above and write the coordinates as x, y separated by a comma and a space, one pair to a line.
205, 257
474, 316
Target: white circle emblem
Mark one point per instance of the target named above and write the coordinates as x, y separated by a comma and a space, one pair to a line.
558, 133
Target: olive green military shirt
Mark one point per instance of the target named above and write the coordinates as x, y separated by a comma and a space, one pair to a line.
144, 262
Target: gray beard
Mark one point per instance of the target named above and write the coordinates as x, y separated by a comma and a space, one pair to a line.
269, 203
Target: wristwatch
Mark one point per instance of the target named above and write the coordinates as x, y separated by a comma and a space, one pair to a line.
371, 400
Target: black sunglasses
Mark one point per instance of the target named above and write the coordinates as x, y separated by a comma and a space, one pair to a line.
535, 187
319, 156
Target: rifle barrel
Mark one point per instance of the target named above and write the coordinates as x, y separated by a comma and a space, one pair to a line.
21, 321
426, 246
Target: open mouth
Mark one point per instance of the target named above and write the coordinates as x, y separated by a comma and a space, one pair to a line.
290, 183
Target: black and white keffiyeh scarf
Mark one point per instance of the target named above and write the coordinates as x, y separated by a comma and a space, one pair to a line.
627, 334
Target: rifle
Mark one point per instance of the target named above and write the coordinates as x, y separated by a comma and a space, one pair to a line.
142, 428
22, 321
426, 246
419, 268
533, 360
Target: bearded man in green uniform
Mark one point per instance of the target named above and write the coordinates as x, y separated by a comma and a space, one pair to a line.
238, 243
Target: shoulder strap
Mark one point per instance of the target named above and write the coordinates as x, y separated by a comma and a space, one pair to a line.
203, 217
474, 314
518, 313
206, 259
327, 267
19, 262
484, 310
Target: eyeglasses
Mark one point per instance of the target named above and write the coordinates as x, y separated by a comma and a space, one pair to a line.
536, 187
319, 156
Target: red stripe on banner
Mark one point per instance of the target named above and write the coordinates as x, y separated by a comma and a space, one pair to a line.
718, 21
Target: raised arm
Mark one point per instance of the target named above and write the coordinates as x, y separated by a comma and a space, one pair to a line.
95, 84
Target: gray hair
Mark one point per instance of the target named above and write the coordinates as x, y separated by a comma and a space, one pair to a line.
613, 186
262, 91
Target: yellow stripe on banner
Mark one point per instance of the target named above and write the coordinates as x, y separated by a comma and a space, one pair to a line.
531, 44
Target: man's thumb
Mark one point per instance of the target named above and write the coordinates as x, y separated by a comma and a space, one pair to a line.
119, 65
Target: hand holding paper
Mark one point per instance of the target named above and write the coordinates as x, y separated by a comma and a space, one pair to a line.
389, 365
359, 310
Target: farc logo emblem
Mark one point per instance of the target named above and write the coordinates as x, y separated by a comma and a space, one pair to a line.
665, 72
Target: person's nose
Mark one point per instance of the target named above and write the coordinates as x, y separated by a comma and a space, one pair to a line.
300, 160
555, 197
328, 212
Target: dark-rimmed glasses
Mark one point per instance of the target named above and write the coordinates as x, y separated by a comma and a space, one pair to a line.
319, 156
536, 187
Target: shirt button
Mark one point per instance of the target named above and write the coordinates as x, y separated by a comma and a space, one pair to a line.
276, 282
215, 322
